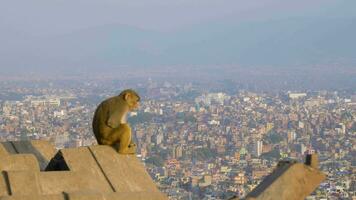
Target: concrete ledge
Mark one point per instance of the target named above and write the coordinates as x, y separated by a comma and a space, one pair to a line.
81, 160
46, 148
41, 149
90, 173
4, 188
125, 172
23, 182
3, 151
86, 196
120, 173
35, 197
118, 196
46, 183
27, 162
293, 181
67, 181
91, 196
136, 196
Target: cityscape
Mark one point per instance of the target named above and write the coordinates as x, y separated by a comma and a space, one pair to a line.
198, 142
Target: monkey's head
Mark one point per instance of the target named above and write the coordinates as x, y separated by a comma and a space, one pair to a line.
132, 99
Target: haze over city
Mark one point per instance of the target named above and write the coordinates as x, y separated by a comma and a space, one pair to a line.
236, 39
228, 88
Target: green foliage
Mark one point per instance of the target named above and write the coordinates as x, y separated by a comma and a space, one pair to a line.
273, 137
204, 154
23, 135
186, 117
188, 96
274, 154
252, 123
353, 128
155, 160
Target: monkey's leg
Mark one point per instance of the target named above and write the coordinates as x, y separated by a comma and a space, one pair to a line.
125, 146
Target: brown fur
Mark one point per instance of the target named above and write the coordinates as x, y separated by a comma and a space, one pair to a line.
109, 122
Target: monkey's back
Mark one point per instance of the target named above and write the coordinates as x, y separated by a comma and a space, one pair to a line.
101, 115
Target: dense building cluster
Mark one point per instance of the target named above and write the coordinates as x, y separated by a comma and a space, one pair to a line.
201, 144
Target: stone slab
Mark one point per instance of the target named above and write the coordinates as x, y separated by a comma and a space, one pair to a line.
3, 151
9, 148
34, 197
19, 162
41, 149
136, 196
46, 148
86, 196
23, 182
81, 160
125, 172
4, 188
90, 196
68, 181
50, 183
293, 182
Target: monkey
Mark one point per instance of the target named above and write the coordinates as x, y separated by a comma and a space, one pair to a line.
110, 126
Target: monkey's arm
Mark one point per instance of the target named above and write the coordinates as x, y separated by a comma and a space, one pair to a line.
114, 118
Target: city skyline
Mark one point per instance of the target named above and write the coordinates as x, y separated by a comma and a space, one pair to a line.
198, 142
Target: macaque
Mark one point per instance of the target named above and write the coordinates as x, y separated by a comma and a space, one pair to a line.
109, 123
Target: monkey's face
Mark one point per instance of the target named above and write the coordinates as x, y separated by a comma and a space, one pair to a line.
133, 101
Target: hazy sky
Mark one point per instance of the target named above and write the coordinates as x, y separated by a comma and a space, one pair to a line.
41, 17
93, 34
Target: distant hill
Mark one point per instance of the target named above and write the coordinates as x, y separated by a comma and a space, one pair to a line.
278, 43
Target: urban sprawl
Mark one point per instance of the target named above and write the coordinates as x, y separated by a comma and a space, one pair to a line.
201, 144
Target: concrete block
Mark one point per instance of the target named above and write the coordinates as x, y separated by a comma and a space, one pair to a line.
81, 160
86, 196
46, 148
9, 148
118, 196
50, 183
125, 172
4, 187
41, 149
136, 196
34, 197
68, 181
23, 182
3, 151
292, 181
19, 162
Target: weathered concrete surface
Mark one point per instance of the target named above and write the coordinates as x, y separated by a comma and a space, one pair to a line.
81, 160
136, 196
3, 151
118, 196
34, 197
293, 181
41, 149
68, 181
90, 196
4, 191
97, 173
18, 162
45, 183
121, 173
22, 182
46, 148
86, 196
125, 172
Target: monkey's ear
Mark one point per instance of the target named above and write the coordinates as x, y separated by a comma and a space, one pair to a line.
127, 96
